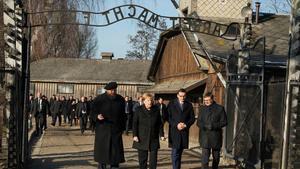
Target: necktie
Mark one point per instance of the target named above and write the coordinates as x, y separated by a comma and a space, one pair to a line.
181, 106
40, 104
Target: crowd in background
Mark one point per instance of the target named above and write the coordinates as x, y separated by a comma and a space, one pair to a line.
74, 111
69, 110
114, 115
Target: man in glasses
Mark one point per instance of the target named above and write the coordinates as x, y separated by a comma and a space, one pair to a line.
212, 118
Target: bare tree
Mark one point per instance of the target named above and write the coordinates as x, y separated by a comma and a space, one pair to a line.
144, 42
280, 6
62, 40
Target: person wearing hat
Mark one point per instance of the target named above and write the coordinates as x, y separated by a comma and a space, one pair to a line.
108, 112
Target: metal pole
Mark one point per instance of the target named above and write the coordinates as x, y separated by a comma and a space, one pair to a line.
263, 114
26, 93
292, 75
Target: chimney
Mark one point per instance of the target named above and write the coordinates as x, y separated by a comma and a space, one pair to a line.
107, 56
257, 5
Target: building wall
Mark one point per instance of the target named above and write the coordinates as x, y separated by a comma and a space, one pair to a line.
177, 62
211, 9
49, 89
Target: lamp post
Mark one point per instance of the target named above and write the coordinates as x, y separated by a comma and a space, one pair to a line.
243, 67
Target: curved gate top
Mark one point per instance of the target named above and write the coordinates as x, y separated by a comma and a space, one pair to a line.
142, 14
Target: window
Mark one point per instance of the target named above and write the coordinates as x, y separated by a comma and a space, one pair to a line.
65, 88
32, 88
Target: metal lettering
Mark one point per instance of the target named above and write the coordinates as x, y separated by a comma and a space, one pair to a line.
206, 27
118, 11
143, 15
217, 30
106, 15
153, 19
148, 17
173, 19
133, 10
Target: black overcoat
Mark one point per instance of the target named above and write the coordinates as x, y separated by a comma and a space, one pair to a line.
81, 106
164, 113
180, 139
108, 147
64, 107
56, 108
211, 119
35, 108
146, 125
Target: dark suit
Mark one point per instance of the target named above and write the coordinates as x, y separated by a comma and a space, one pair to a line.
65, 110
56, 112
164, 117
39, 112
82, 112
210, 121
128, 111
92, 122
179, 140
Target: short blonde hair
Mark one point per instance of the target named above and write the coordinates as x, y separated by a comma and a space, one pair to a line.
148, 95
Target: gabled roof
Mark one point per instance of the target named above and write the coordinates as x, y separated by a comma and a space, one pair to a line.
274, 27
90, 70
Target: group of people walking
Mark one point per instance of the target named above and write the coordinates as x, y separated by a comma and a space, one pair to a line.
69, 111
110, 111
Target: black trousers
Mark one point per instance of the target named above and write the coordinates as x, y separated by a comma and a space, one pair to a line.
54, 118
104, 166
39, 123
45, 122
161, 130
176, 157
143, 158
205, 157
92, 123
128, 122
83, 122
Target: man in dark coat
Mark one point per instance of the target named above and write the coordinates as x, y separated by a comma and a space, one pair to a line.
56, 111
82, 111
164, 116
64, 108
45, 99
39, 112
211, 120
89, 106
128, 111
108, 112
181, 117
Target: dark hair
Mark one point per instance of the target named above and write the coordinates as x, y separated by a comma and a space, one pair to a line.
181, 90
209, 94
